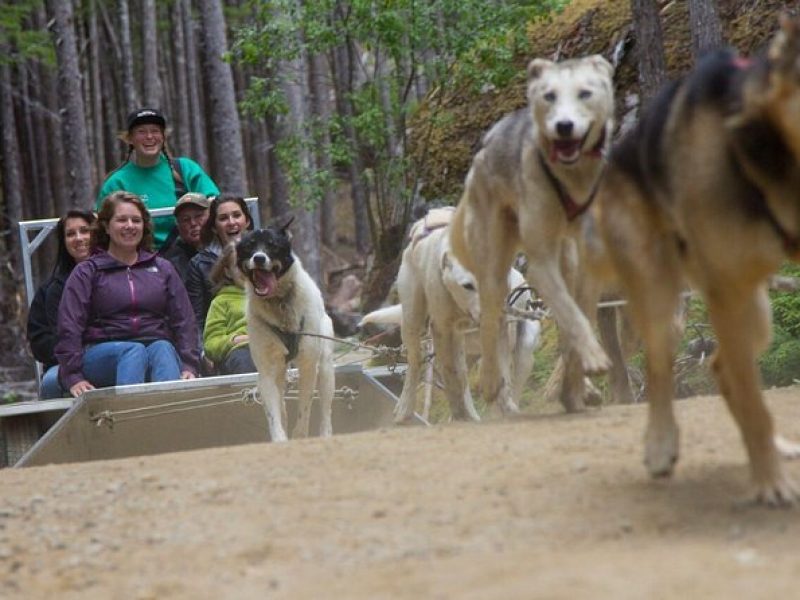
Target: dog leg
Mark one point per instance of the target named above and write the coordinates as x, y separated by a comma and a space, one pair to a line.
451, 360
272, 397
494, 369
527, 339
741, 321
618, 374
428, 383
544, 275
306, 383
326, 384
412, 330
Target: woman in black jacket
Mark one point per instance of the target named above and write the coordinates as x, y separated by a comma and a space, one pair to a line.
228, 219
73, 231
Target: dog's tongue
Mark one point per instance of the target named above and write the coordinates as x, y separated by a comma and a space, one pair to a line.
565, 150
264, 282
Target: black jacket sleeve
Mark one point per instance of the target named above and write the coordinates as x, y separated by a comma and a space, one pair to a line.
43, 321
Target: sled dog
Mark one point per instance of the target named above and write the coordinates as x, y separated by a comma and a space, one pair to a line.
706, 189
437, 294
284, 304
527, 190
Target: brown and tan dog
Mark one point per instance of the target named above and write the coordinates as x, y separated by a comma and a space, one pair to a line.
706, 190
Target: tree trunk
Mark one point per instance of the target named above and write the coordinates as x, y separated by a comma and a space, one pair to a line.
71, 110
649, 48
96, 96
12, 171
278, 182
182, 138
293, 77
196, 113
152, 82
129, 95
228, 154
343, 71
705, 25
320, 94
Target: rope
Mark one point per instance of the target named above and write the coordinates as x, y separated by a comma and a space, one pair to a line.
247, 396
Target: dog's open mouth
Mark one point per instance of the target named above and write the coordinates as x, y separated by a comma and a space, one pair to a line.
264, 282
565, 151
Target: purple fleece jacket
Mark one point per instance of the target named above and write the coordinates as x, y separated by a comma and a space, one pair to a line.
106, 300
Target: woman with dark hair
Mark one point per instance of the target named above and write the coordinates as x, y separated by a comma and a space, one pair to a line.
73, 232
124, 316
153, 173
228, 219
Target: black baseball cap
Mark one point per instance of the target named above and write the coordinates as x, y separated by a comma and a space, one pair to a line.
143, 116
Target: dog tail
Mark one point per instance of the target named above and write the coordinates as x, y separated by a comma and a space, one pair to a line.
391, 315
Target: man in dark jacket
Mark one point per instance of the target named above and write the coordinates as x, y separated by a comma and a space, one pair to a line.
191, 213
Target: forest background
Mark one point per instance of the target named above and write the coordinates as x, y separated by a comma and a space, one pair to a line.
347, 113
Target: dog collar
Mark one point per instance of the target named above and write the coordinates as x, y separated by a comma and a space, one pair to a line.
572, 209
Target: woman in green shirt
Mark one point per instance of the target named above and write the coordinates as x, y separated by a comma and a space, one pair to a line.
152, 174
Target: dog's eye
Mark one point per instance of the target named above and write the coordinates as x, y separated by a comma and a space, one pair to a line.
550, 97
468, 286
584, 94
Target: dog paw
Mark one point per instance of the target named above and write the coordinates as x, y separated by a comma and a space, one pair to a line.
594, 360
661, 451
278, 437
465, 414
787, 448
781, 493
403, 419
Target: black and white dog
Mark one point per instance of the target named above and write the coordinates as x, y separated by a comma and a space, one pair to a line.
283, 304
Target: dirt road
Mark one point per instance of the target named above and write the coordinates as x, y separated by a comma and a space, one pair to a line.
548, 507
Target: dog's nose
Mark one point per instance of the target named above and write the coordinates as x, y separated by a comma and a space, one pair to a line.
564, 128
259, 260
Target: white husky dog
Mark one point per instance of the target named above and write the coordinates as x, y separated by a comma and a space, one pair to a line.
436, 292
283, 302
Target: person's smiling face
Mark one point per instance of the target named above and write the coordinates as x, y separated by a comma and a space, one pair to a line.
126, 228
76, 238
147, 140
231, 222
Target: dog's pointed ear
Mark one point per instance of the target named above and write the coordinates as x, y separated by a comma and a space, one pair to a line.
600, 63
445, 260
537, 66
285, 227
785, 47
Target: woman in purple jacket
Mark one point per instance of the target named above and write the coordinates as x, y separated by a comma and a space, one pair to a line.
124, 315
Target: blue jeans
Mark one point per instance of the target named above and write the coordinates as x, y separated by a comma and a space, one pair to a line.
125, 362
238, 361
51, 386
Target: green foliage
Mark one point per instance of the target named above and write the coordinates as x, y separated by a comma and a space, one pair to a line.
780, 365
786, 305
19, 41
451, 43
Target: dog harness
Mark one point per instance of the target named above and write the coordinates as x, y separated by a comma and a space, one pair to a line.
572, 208
290, 339
429, 228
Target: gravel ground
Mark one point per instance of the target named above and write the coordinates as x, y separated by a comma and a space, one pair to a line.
551, 506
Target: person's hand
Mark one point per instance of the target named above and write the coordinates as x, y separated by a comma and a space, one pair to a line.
187, 375
240, 339
80, 387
